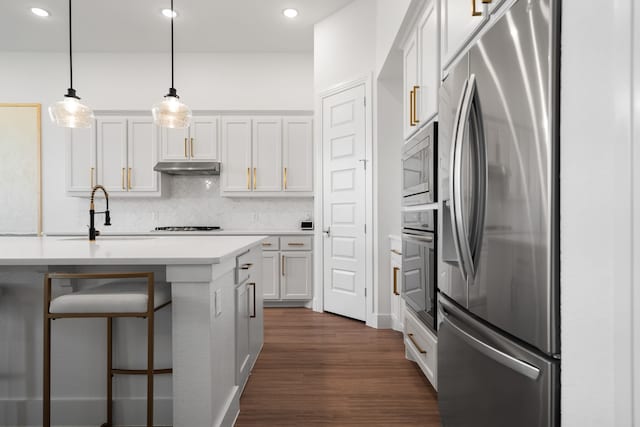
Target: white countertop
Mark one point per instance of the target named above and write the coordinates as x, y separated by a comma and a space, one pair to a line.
105, 232
123, 250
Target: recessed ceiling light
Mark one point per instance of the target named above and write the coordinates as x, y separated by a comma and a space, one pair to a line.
290, 13
169, 13
40, 12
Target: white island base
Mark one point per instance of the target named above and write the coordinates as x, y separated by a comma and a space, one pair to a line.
207, 331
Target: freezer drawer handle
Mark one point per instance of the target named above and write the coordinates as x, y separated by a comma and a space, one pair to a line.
510, 362
415, 343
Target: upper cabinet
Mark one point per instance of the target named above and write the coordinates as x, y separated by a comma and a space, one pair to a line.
421, 70
118, 153
267, 156
199, 142
461, 20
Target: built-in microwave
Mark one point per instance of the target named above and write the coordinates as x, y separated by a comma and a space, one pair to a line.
419, 184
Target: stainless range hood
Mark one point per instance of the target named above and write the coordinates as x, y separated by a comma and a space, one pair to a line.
188, 168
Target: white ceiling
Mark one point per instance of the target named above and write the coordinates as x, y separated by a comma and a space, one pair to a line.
138, 25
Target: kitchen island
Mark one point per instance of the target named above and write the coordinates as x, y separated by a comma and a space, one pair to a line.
205, 332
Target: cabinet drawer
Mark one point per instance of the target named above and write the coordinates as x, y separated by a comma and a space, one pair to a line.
422, 346
296, 243
271, 244
245, 265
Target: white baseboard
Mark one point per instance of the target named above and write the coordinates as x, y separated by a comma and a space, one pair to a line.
380, 321
75, 412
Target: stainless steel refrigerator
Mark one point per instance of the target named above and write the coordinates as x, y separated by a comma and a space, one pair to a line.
498, 277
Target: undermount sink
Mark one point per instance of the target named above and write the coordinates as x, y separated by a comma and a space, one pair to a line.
108, 238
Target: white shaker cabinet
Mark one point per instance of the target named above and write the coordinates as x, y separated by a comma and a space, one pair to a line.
142, 155
296, 275
236, 154
421, 70
198, 142
460, 20
271, 275
81, 171
111, 136
267, 154
297, 154
243, 352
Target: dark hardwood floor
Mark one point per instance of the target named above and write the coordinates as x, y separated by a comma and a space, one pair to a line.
323, 369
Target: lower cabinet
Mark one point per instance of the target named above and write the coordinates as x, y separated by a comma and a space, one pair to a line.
249, 314
287, 275
395, 270
421, 346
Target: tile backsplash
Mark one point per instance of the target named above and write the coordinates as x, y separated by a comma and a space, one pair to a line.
196, 200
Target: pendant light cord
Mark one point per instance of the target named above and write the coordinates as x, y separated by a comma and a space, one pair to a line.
70, 57
172, 15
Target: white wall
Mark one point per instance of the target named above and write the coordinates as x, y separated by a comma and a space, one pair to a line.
135, 82
390, 15
600, 167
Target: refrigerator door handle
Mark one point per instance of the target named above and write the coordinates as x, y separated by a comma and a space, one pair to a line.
461, 238
454, 185
504, 359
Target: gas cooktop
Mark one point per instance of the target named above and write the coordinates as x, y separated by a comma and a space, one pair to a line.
189, 228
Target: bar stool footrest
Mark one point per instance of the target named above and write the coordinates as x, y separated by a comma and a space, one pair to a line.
140, 371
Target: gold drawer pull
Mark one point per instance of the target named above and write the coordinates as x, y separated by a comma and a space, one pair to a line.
255, 179
266, 244
411, 98
129, 179
475, 12
191, 147
395, 251
295, 244
186, 155
248, 178
413, 340
395, 280
285, 178
91, 175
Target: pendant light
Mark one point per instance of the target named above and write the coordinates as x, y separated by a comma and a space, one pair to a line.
70, 112
170, 112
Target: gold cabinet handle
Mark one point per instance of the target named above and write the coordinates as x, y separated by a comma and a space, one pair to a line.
295, 244
186, 156
191, 147
395, 280
266, 244
395, 251
129, 179
255, 179
475, 12
413, 340
122, 179
248, 178
487, 1
283, 265
91, 173
411, 96
415, 105
285, 178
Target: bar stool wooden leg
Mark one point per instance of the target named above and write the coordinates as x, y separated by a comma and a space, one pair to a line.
46, 380
150, 370
109, 371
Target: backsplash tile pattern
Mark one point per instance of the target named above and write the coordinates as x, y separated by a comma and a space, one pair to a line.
196, 200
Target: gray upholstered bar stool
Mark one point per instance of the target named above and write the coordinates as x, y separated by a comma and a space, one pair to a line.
140, 298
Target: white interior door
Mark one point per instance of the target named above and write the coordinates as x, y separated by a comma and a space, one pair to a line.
343, 148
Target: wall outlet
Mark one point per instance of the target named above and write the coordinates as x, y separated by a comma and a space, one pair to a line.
218, 301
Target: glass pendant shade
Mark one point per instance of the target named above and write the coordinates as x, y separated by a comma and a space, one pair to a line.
171, 113
71, 113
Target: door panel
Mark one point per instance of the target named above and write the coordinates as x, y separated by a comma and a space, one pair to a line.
81, 159
429, 65
485, 379
175, 144
236, 154
112, 153
343, 146
243, 356
142, 155
297, 154
267, 154
271, 275
450, 279
514, 285
203, 142
296, 279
